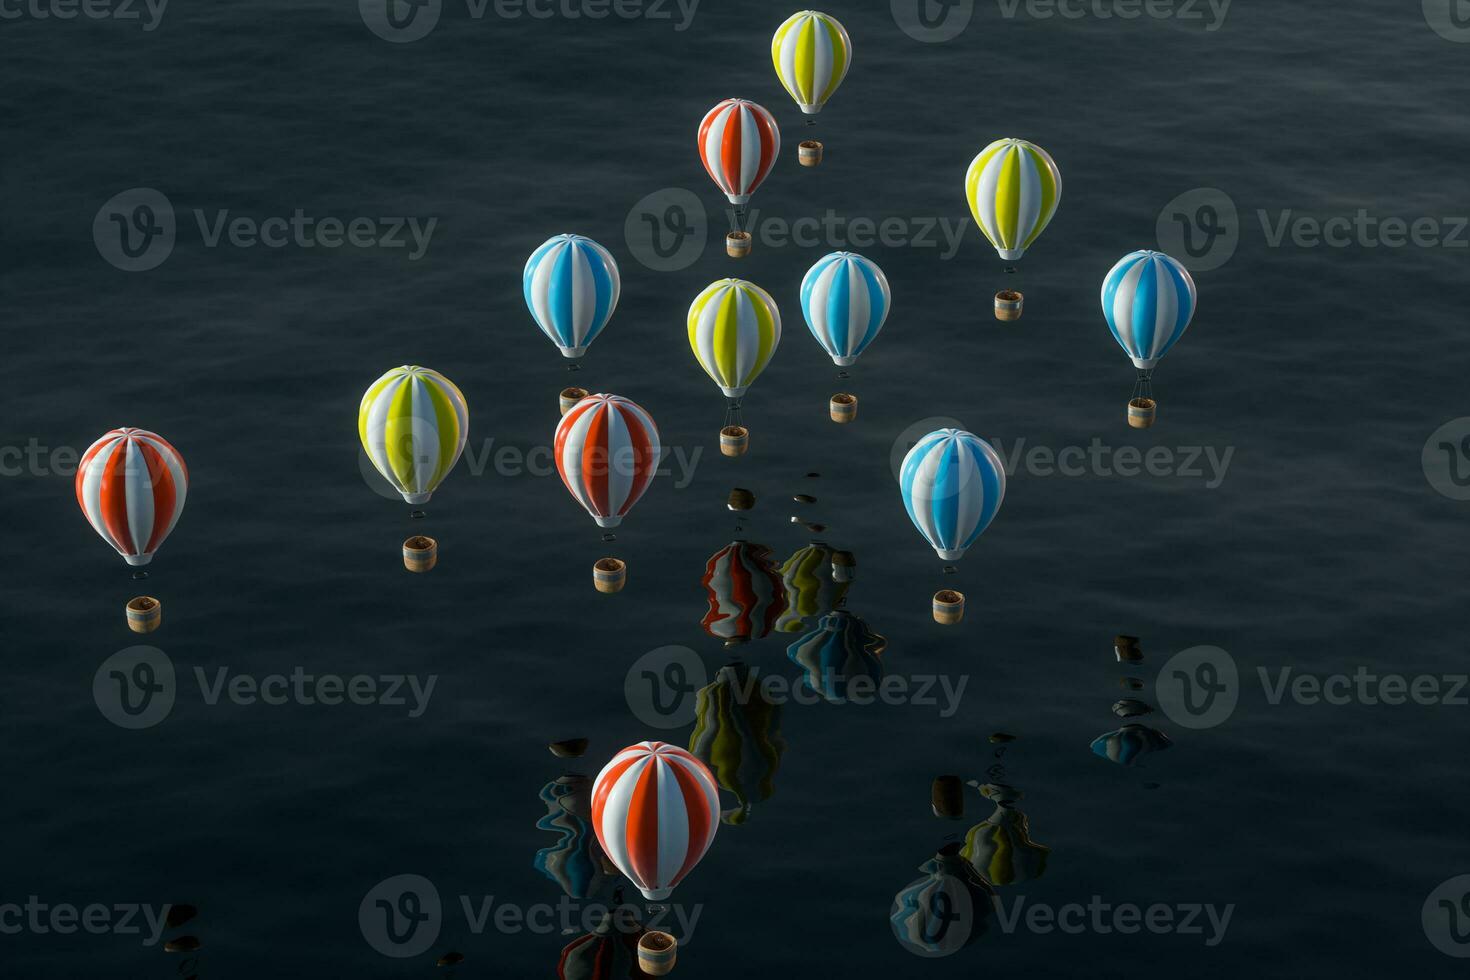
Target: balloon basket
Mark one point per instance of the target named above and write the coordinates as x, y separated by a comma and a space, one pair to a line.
734, 440
949, 607
947, 797
609, 575
570, 397
145, 614
1142, 412
1126, 649
737, 244
843, 408
809, 152
844, 567
741, 499
1008, 303
420, 553
657, 952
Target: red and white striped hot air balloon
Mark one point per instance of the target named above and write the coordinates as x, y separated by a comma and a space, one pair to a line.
739, 142
607, 451
131, 485
655, 808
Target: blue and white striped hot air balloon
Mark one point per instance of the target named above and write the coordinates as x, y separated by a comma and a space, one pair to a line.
1148, 299
571, 285
952, 484
845, 299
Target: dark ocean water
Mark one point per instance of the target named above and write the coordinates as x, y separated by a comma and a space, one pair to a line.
1322, 547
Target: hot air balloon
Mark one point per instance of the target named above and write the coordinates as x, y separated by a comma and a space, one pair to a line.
812, 53
944, 911
571, 285
1001, 849
811, 584
738, 144
1129, 744
655, 808
845, 299
413, 423
575, 861
744, 591
607, 451
1148, 299
1013, 188
131, 485
608, 952
952, 484
839, 651
737, 733
734, 329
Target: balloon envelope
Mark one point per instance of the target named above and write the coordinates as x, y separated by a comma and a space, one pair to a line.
845, 299
571, 285
131, 486
952, 484
744, 591
1013, 188
1148, 299
738, 144
655, 808
607, 452
812, 53
413, 423
734, 329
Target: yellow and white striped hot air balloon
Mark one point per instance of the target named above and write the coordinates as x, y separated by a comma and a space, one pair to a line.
413, 423
811, 52
1013, 188
734, 328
